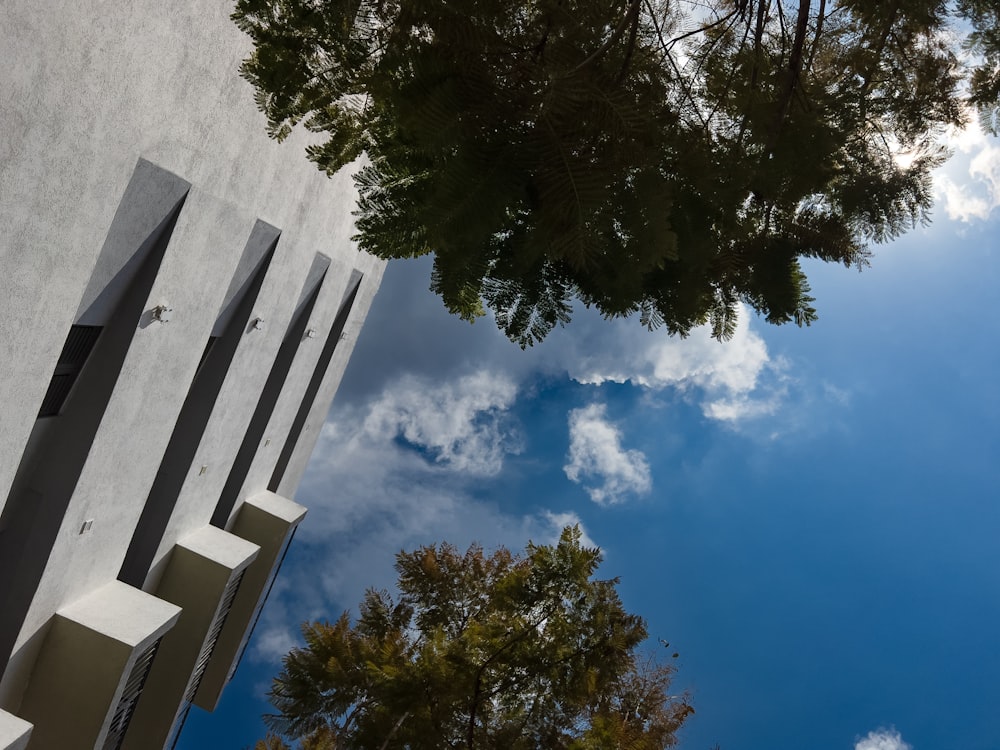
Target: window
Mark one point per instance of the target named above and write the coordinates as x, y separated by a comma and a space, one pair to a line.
74, 355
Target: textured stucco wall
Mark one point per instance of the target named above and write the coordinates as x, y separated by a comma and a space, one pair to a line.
90, 89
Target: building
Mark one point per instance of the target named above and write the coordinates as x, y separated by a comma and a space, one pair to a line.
178, 299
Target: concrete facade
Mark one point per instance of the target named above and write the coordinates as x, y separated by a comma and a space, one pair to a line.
179, 296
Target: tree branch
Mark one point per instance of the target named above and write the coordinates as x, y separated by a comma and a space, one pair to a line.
702, 29
878, 49
758, 36
477, 690
792, 75
680, 77
819, 30
396, 726
631, 17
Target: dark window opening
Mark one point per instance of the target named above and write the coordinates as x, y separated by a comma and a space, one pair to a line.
73, 357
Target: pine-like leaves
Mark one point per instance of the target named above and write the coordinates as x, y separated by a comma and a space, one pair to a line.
499, 651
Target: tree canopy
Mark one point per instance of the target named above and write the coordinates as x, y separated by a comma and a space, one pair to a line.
499, 651
661, 158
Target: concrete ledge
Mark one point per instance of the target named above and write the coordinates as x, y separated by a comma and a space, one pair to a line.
202, 574
268, 520
78, 681
14, 732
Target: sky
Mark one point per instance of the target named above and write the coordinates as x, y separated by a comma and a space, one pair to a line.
809, 516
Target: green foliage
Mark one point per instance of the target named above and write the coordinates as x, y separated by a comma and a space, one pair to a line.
497, 651
984, 41
665, 159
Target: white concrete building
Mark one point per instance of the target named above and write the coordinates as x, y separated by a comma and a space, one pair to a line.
178, 299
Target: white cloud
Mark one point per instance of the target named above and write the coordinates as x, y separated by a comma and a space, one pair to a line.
969, 185
394, 472
459, 423
741, 407
273, 641
962, 203
596, 455
726, 378
882, 739
591, 350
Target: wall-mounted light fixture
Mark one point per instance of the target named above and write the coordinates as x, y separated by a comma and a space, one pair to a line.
311, 333
258, 324
162, 313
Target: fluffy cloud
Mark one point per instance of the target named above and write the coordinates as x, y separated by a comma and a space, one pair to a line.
395, 471
405, 454
882, 739
458, 424
598, 461
732, 381
969, 186
726, 378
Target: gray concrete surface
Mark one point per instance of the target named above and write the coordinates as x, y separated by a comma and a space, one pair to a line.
111, 116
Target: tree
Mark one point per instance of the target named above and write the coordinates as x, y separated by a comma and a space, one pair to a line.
665, 158
497, 651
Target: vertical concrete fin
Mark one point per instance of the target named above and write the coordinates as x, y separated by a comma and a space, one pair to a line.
196, 411
152, 193
271, 391
256, 254
59, 446
309, 397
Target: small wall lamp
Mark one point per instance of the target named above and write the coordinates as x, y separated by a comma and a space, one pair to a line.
162, 313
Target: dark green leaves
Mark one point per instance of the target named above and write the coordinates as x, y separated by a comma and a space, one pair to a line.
641, 156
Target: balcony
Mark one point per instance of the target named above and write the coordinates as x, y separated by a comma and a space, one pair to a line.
202, 577
14, 732
91, 669
269, 521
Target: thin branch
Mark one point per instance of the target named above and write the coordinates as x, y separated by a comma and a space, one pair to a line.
670, 58
708, 51
477, 690
732, 72
630, 48
702, 29
631, 17
792, 75
819, 30
878, 49
758, 36
396, 726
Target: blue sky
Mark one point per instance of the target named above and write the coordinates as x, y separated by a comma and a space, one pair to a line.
809, 516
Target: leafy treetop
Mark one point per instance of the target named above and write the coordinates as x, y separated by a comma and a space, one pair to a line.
664, 158
500, 651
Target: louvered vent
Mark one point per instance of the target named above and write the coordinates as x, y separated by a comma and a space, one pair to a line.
74, 355
130, 696
228, 596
